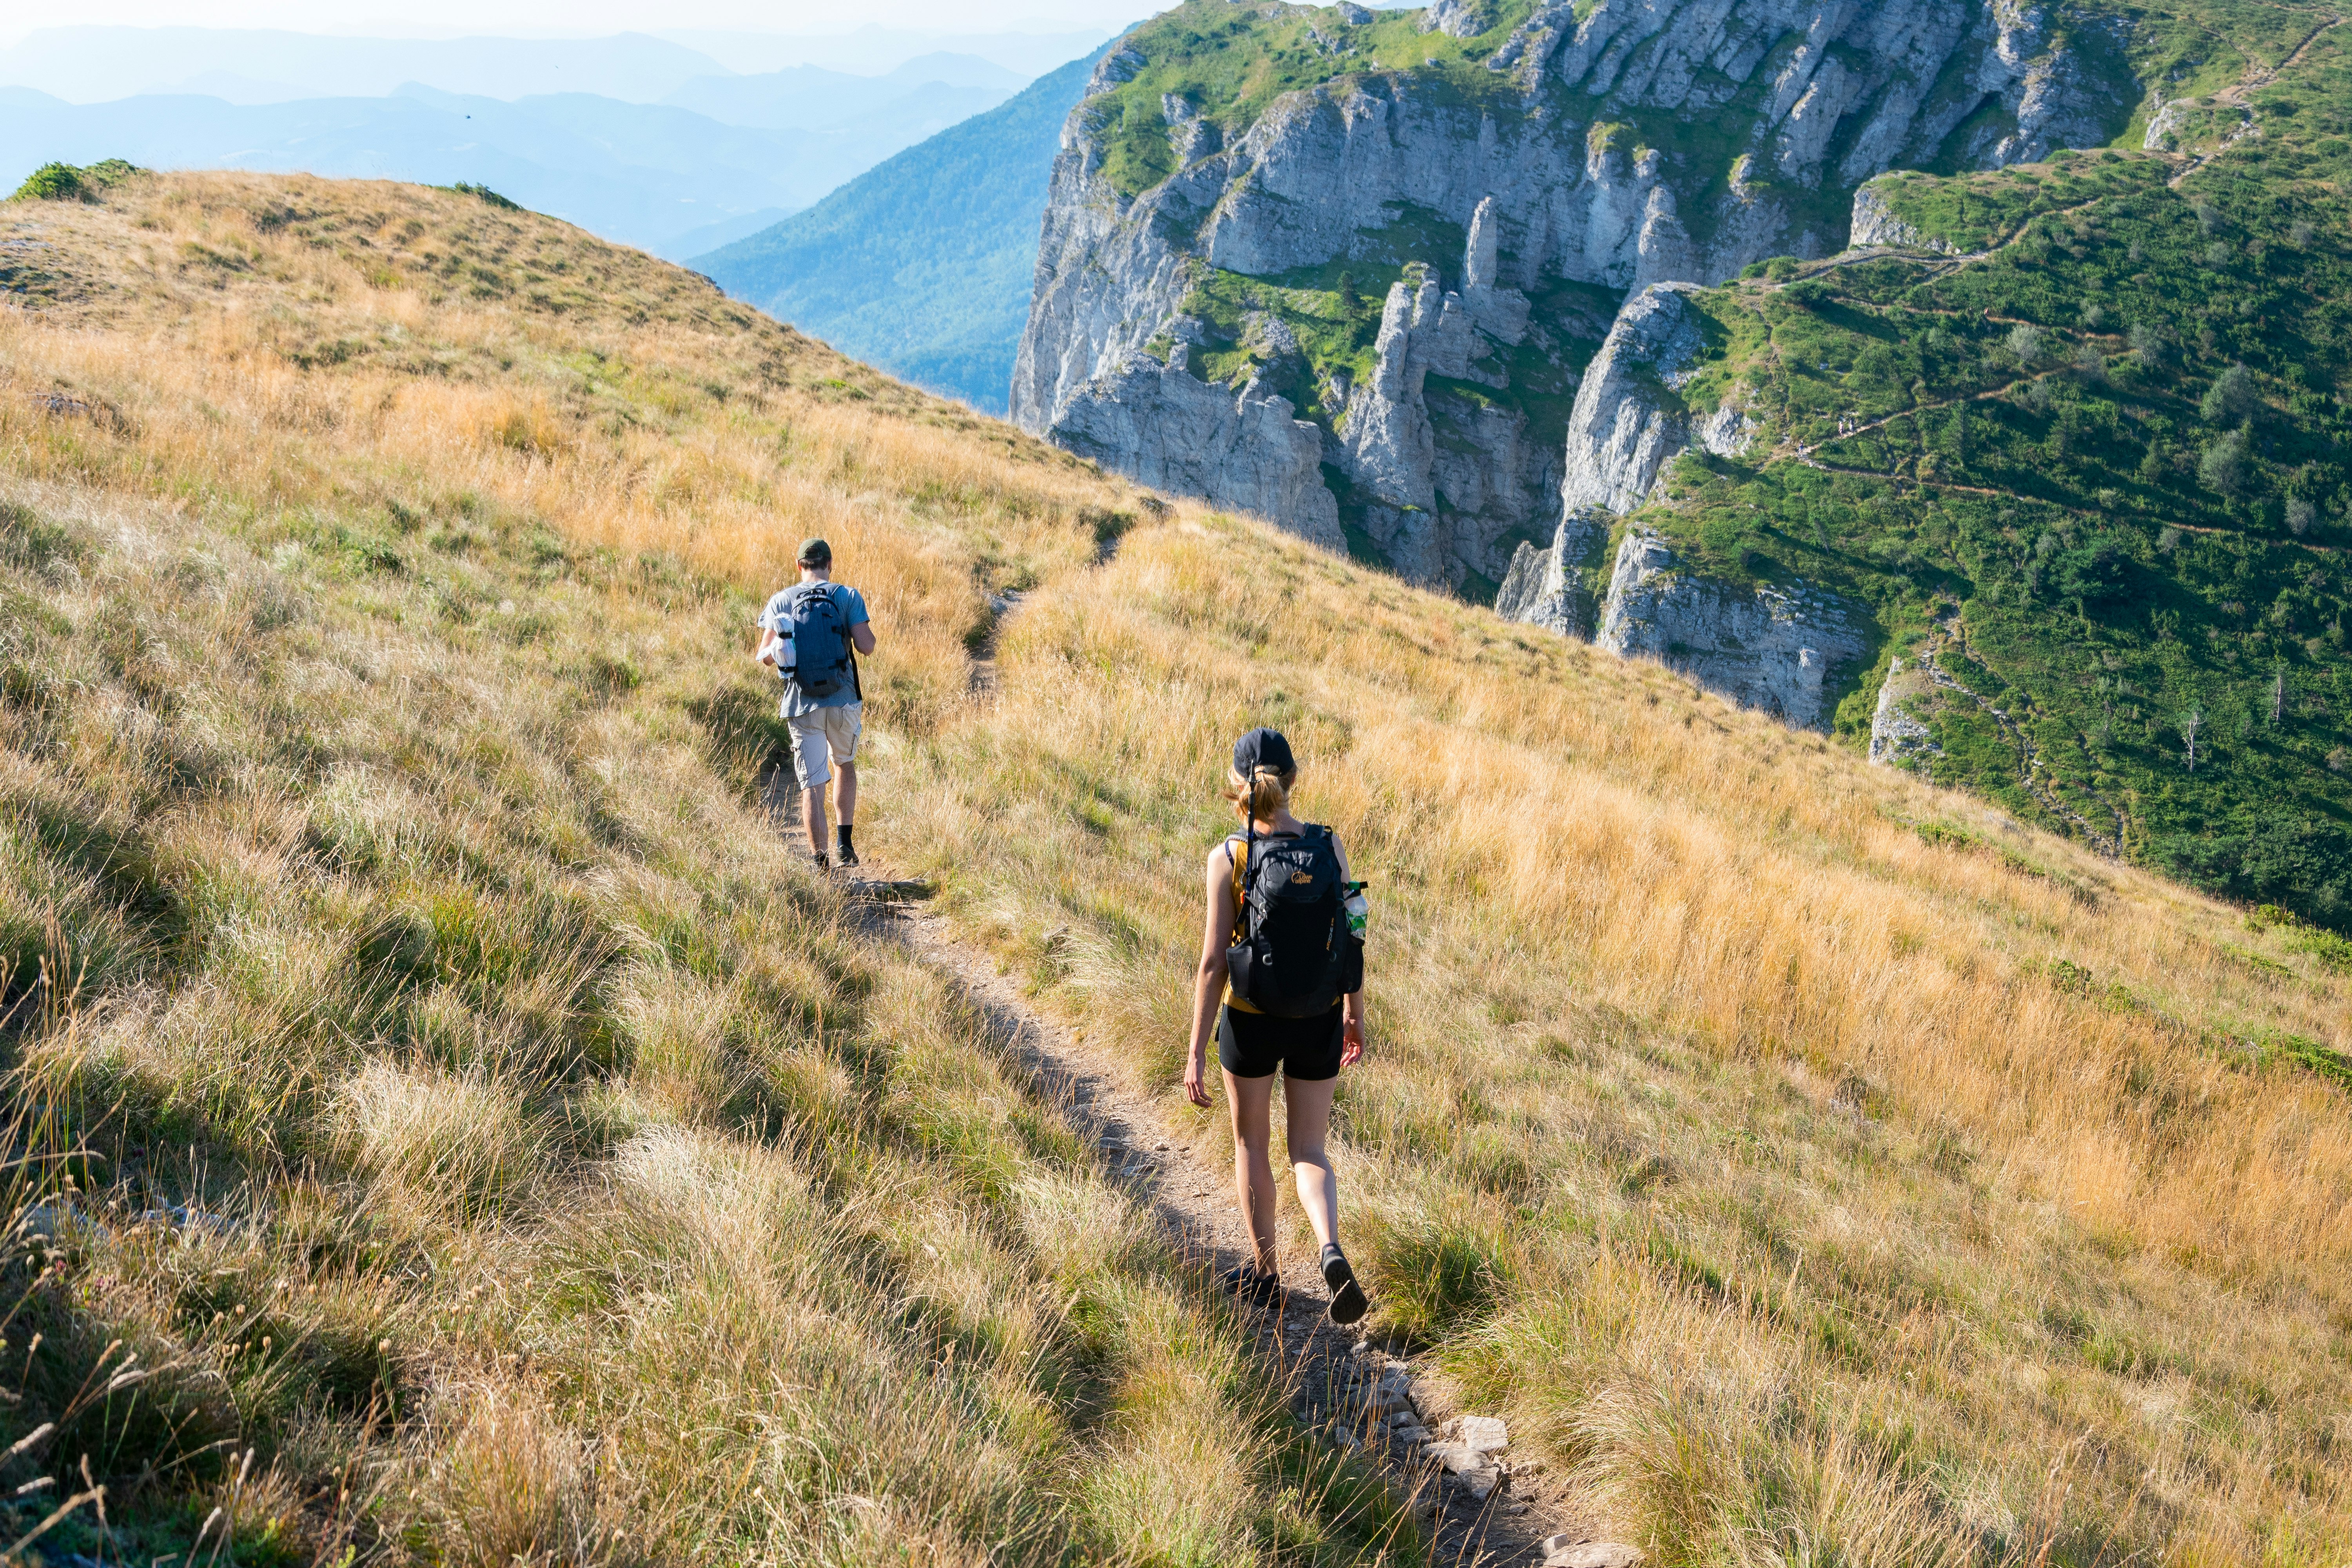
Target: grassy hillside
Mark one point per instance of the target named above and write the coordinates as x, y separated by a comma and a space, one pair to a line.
922, 264
490, 1143
1815, 1166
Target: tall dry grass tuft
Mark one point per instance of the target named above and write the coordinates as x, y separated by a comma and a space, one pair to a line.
453, 1148
511, 1486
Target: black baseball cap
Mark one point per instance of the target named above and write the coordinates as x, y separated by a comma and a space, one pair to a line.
816, 552
1263, 748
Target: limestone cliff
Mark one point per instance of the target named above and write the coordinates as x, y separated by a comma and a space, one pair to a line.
1498, 199
1764, 647
1174, 431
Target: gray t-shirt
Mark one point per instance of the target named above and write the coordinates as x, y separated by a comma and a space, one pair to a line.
778, 618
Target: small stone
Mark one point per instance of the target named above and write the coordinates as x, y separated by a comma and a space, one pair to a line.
1459, 1459
1480, 1483
1559, 1552
1485, 1433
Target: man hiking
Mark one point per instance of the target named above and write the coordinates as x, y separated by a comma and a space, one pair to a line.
1282, 952
812, 633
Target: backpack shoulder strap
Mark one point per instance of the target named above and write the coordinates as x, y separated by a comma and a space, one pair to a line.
1240, 859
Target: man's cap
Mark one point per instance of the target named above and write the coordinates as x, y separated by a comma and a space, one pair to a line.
1263, 748
814, 553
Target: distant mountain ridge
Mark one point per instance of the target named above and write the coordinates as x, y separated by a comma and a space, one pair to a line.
812, 97
640, 174
728, 155
677, 145
94, 64
922, 264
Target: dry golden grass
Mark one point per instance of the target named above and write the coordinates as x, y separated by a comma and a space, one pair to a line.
559, 1176
1806, 1186
1715, 1117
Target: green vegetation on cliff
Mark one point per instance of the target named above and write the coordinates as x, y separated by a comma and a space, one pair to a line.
1229, 63
2101, 473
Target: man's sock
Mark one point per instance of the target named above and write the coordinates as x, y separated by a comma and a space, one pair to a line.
842, 834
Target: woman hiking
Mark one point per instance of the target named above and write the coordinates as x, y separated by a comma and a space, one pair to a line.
1280, 952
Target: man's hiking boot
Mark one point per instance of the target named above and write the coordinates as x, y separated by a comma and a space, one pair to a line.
843, 850
1348, 1301
820, 862
1255, 1288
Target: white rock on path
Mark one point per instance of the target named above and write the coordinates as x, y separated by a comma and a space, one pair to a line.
1559, 1552
1485, 1433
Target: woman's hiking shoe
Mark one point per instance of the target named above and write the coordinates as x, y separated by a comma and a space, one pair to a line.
1348, 1301
1249, 1284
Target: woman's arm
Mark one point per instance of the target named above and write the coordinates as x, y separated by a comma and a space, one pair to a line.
1209, 984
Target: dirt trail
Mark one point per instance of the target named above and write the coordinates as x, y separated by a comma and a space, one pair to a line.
2236, 94
1953, 635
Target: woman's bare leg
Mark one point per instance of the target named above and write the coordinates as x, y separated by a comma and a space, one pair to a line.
1309, 1110
1252, 1100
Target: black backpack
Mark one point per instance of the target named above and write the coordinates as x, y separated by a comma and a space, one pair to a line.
820, 633
1292, 949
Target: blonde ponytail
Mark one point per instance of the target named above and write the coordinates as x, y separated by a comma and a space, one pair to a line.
1264, 793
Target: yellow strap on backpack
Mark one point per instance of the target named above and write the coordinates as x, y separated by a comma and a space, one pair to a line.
1241, 914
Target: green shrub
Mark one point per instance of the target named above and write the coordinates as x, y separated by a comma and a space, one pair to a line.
65, 183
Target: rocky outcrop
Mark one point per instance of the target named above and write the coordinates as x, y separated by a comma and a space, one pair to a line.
1172, 431
1402, 447
1874, 224
1627, 425
1765, 647
1899, 737
1628, 422
1442, 450
1551, 587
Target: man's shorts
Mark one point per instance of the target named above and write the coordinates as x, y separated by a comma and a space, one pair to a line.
821, 736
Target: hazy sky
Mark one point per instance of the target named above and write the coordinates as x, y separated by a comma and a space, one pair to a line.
576, 17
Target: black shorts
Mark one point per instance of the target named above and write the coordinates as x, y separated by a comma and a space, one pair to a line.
1252, 1045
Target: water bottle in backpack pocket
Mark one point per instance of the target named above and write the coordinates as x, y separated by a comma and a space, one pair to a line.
1292, 950
819, 629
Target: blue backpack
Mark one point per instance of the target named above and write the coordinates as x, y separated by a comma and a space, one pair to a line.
822, 661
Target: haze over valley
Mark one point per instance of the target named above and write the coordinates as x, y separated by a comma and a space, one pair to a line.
649, 141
